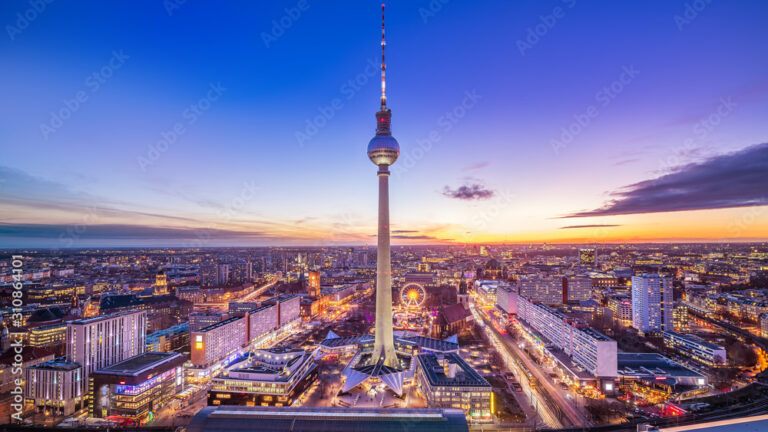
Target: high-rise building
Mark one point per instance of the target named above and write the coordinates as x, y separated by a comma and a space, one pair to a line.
652, 305
209, 274
240, 272
105, 340
383, 151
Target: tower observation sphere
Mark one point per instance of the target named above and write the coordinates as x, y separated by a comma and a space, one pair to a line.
383, 150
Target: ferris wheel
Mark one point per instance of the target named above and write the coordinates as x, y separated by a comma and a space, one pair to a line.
412, 295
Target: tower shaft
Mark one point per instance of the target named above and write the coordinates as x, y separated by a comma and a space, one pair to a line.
384, 344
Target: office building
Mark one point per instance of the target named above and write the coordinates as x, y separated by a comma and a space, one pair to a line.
696, 348
680, 318
48, 335
276, 377
621, 306
652, 305
55, 386
447, 381
136, 387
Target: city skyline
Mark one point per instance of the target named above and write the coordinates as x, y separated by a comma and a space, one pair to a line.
174, 136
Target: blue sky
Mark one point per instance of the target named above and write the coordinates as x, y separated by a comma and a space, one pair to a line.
276, 104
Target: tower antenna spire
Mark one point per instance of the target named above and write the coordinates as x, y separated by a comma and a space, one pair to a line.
383, 64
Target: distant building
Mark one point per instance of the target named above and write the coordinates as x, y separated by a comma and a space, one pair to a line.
680, 318
764, 325
313, 284
161, 284
652, 305
577, 288
542, 290
588, 257
277, 377
447, 381
425, 279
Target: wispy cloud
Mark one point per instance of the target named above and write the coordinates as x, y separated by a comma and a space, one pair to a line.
589, 226
476, 166
738, 179
468, 192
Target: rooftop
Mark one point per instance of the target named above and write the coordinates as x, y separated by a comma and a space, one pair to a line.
649, 364
59, 364
299, 419
435, 371
137, 364
219, 324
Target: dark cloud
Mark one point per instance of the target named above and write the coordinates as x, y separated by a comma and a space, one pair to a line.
468, 192
738, 179
404, 231
589, 226
60, 235
414, 237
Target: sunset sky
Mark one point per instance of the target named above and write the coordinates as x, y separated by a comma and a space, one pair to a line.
187, 123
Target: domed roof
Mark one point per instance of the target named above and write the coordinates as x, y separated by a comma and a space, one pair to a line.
383, 149
492, 265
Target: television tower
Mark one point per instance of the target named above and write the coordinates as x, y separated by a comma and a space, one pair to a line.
383, 151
